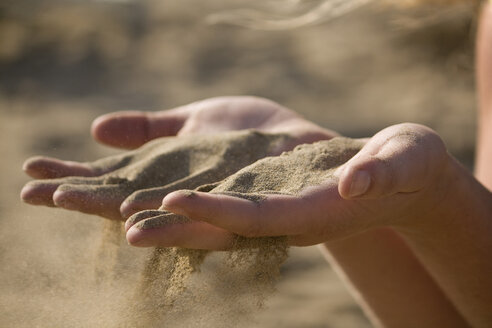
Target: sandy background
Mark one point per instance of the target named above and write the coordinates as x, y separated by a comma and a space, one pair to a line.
62, 63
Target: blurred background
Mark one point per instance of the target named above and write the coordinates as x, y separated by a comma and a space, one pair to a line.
64, 62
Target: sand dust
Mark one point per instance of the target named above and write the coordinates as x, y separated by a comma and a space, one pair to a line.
109, 252
249, 270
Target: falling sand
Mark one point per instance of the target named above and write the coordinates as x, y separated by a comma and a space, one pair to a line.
238, 281
145, 175
113, 285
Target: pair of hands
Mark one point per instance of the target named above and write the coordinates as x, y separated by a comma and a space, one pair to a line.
399, 174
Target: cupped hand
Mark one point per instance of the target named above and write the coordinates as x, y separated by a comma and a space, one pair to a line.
118, 186
316, 193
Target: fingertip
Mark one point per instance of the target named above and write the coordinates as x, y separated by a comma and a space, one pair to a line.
28, 163
128, 224
132, 220
143, 237
139, 216
127, 209
102, 200
176, 199
96, 128
165, 232
101, 128
24, 194
141, 200
34, 168
63, 199
134, 237
28, 194
40, 167
131, 129
102, 124
121, 129
37, 194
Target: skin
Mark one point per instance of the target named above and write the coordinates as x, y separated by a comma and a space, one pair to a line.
406, 226
484, 86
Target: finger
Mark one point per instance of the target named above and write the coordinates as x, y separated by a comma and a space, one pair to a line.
103, 200
142, 215
40, 192
275, 215
151, 198
399, 159
143, 200
51, 168
131, 129
164, 229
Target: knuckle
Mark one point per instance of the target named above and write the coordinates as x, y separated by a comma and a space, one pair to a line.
383, 175
172, 240
138, 195
132, 197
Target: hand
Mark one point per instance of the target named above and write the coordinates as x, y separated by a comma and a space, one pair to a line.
111, 188
314, 194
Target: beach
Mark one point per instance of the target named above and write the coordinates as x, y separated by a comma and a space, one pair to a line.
64, 63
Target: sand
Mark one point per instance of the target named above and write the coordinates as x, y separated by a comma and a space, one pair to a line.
175, 162
252, 264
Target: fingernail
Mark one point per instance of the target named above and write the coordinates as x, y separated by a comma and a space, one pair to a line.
361, 180
127, 209
134, 236
173, 201
62, 202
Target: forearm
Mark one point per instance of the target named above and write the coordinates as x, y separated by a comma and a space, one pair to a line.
484, 85
483, 162
389, 282
454, 243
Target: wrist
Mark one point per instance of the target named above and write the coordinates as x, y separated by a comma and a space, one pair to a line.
453, 242
454, 197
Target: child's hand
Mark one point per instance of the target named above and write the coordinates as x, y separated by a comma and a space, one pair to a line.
130, 130
118, 186
141, 178
401, 173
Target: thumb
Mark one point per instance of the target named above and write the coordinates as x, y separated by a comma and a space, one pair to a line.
131, 129
400, 159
